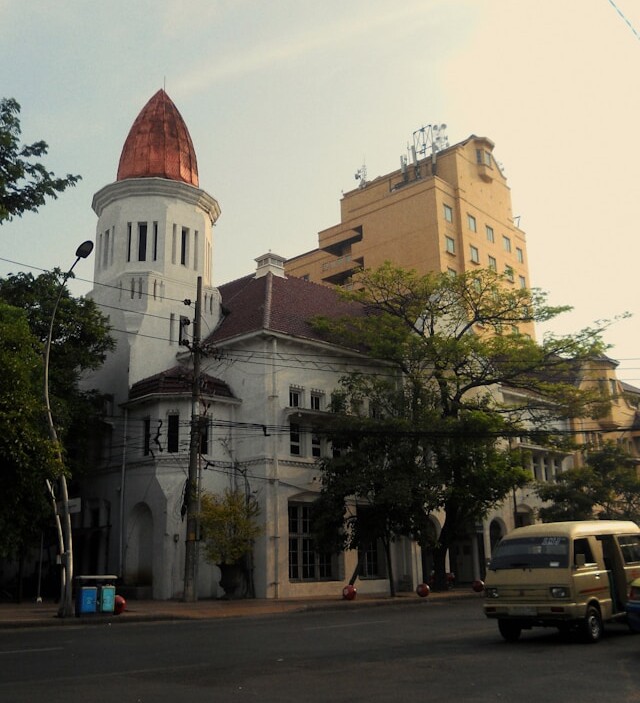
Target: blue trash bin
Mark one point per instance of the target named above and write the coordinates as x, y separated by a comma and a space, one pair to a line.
107, 599
86, 600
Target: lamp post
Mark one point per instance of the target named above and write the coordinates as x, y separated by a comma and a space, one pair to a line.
66, 543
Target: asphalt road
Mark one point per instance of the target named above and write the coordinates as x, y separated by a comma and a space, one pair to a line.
426, 652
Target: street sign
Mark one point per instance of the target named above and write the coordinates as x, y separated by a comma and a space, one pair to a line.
75, 506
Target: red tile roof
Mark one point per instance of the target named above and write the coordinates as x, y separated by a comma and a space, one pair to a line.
277, 304
175, 381
159, 145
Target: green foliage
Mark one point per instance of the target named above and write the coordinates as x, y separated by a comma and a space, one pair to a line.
607, 486
27, 457
80, 341
457, 378
24, 184
229, 526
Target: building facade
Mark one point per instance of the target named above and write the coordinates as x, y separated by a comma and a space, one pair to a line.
266, 374
449, 211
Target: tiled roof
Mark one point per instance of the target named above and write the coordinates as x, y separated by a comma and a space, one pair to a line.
178, 380
159, 145
278, 304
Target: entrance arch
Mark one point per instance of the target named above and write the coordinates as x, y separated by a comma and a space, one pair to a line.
139, 547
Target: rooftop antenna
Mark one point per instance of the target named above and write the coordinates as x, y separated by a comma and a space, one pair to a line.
361, 175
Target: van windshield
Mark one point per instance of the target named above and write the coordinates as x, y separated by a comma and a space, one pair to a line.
531, 553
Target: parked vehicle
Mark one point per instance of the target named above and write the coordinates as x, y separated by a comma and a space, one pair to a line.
633, 606
569, 575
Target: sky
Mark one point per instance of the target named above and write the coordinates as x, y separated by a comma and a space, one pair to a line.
285, 100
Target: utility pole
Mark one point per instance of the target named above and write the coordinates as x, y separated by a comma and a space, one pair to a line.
191, 557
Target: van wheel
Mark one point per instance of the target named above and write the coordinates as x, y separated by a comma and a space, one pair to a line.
592, 627
509, 630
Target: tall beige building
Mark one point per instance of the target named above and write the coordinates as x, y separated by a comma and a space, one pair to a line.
447, 210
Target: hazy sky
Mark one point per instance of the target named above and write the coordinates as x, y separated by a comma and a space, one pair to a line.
286, 99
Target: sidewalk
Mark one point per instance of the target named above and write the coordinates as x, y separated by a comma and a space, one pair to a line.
29, 614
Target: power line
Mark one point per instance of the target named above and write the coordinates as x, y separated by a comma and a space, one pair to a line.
625, 19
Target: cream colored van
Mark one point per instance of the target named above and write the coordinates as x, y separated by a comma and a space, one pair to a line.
569, 575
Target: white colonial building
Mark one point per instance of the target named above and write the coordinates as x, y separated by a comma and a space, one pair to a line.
265, 384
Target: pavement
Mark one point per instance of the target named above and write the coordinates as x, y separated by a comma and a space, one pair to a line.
45, 614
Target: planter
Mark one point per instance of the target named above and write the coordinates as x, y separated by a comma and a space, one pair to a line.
233, 580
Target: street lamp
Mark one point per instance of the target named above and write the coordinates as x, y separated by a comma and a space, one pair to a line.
66, 542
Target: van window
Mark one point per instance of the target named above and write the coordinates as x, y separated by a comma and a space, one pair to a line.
582, 546
531, 553
630, 548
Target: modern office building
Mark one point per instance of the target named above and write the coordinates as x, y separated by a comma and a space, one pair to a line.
446, 209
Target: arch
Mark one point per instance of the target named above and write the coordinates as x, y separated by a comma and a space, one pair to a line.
139, 546
497, 530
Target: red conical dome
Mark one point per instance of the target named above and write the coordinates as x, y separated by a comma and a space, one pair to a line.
159, 145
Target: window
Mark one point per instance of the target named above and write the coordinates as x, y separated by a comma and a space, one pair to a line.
490, 234
295, 397
316, 443
184, 246
452, 272
142, 241
155, 241
508, 272
146, 439
448, 213
204, 434
105, 251
523, 281
519, 255
475, 254
305, 563
630, 547
493, 264
173, 433
317, 401
483, 157
450, 245
371, 561
128, 241
506, 243
295, 446
471, 221
582, 552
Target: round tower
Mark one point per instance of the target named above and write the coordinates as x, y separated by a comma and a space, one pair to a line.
153, 239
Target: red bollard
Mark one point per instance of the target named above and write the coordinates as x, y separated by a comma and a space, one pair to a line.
423, 590
119, 605
349, 592
478, 586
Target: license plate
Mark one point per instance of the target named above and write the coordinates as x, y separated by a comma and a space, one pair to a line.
522, 610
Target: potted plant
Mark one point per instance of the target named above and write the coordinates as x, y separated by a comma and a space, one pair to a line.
229, 526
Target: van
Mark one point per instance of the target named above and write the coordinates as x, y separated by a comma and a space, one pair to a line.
569, 575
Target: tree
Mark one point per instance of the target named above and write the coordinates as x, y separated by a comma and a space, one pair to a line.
80, 342
606, 487
451, 345
24, 184
27, 457
229, 528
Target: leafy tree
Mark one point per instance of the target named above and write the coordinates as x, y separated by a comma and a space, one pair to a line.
80, 342
606, 487
451, 346
228, 523
27, 457
24, 184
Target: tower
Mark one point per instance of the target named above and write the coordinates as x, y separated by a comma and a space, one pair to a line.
153, 239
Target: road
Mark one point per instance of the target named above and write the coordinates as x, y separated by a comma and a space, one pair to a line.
424, 652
